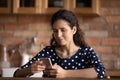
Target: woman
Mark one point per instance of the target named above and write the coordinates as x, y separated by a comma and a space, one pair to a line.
69, 53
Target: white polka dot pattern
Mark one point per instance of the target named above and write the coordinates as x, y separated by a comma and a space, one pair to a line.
84, 58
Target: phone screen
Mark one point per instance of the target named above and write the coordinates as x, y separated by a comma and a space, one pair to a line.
47, 62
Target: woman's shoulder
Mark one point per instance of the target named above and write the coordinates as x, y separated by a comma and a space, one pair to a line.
86, 48
87, 51
48, 48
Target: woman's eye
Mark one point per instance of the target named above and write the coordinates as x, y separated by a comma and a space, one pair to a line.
63, 30
54, 30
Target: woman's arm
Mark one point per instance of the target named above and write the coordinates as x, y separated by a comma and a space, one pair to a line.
31, 67
36, 67
23, 72
83, 73
61, 73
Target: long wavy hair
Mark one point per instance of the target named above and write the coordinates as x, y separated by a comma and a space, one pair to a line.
70, 17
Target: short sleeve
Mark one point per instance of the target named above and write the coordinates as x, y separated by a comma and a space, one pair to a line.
96, 63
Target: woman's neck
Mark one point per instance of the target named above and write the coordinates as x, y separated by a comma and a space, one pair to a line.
67, 51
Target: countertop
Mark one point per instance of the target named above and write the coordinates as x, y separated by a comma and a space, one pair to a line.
8, 78
112, 74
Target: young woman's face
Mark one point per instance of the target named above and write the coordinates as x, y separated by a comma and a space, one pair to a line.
62, 32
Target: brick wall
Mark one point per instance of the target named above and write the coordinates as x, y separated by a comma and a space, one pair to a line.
102, 33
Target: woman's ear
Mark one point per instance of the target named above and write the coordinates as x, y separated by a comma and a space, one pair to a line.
74, 29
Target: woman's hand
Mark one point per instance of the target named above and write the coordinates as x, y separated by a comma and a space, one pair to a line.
37, 66
56, 71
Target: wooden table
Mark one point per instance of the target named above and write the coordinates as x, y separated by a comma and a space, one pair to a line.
43, 79
113, 74
8, 78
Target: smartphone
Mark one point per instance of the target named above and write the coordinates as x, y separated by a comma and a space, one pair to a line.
47, 62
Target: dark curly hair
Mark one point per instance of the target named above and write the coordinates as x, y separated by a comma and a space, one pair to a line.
70, 17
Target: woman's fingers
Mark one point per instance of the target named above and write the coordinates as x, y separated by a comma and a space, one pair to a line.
55, 66
37, 67
51, 72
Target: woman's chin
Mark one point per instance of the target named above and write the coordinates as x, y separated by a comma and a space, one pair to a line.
61, 44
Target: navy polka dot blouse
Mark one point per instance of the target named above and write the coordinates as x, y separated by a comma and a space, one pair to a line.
84, 58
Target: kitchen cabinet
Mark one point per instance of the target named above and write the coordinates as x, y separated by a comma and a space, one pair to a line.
27, 6
77, 6
38, 6
85, 6
49, 6
5, 6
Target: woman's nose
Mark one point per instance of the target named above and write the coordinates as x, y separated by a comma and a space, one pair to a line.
59, 34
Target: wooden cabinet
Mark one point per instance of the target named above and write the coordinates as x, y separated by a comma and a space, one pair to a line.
49, 6
85, 6
77, 6
27, 6
39, 6
5, 6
